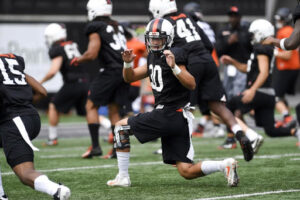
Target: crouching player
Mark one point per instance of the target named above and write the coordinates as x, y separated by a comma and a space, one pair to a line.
20, 123
170, 120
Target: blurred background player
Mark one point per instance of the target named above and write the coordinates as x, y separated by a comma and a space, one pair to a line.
259, 94
61, 52
208, 125
20, 123
234, 40
106, 42
171, 119
201, 65
287, 67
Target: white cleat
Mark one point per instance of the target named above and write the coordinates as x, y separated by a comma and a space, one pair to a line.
63, 193
230, 172
256, 144
4, 197
122, 181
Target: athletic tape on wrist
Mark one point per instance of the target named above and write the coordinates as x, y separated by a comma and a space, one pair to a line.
128, 65
176, 70
282, 44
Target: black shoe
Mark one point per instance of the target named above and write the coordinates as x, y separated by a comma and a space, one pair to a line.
229, 143
92, 152
245, 145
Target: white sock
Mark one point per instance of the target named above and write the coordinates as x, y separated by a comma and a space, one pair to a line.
208, 167
123, 163
235, 128
251, 134
105, 123
202, 121
43, 184
52, 132
1, 186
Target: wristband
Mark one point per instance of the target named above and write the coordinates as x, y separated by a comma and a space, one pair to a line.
282, 44
128, 65
176, 70
276, 52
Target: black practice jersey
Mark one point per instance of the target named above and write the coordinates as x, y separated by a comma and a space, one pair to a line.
253, 69
166, 87
188, 37
112, 43
15, 92
68, 50
296, 13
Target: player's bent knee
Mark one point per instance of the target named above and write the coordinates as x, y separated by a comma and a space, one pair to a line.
121, 136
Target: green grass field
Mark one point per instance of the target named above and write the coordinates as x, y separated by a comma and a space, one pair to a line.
276, 167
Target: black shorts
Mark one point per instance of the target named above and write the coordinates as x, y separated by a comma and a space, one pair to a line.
109, 87
16, 150
170, 126
284, 82
209, 86
71, 95
262, 104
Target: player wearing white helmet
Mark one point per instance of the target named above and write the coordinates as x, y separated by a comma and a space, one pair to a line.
106, 42
190, 37
171, 119
259, 94
61, 52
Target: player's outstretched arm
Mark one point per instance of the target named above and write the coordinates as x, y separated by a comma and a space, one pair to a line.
289, 43
55, 67
130, 74
228, 60
37, 87
181, 73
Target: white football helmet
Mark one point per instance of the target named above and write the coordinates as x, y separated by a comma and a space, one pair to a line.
55, 32
159, 29
261, 29
160, 8
97, 8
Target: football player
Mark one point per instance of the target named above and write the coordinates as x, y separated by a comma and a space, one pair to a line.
190, 37
171, 119
20, 123
106, 42
61, 53
259, 94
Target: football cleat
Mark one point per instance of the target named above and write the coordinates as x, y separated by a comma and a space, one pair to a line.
92, 152
49, 142
199, 131
256, 144
245, 145
4, 197
230, 172
229, 143
122, 181
286, 122
111, 154
63, 193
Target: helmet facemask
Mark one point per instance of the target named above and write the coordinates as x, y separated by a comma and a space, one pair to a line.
157, 42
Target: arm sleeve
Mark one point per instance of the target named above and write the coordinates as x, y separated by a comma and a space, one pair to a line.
93, 27
55, 51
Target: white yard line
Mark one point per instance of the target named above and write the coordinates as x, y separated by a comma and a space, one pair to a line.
250, 195
148, 163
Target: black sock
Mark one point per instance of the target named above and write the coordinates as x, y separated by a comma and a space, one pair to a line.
94, 132
113, 132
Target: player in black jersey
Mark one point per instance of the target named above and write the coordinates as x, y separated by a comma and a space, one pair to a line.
20, 123
259, 95
171, 119
106, 42
290, 43
191, 38
61, 52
